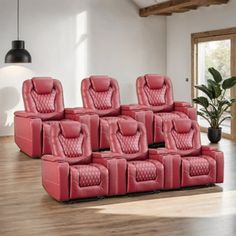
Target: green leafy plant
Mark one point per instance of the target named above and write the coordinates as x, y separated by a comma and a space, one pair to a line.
215, 104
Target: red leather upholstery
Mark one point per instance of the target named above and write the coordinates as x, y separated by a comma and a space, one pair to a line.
43, 100
128, 140
104, 129
69, 173
89, 118
171, 162
44, 96
117, 167
199, 165
155, 92
101, 94
141, 114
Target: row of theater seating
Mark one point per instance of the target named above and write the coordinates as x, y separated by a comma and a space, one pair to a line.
44, 105
74, 172
68, 136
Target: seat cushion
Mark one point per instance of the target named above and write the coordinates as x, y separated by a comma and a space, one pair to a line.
89, 180
146, 175
198, 170
88, 175
198, 166
145, 171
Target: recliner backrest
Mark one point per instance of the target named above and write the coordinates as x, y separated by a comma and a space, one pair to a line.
182, 135
43, 95
128, 138
156, 91
101, 93
71, 140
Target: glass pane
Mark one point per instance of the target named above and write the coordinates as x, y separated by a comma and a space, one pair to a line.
214, 54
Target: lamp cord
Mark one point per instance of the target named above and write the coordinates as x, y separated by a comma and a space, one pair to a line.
18, 19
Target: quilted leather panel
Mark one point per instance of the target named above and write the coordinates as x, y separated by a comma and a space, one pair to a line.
183, 141
145, 171
198, 166
44, 102
72, 147
155, 97
102, 100
129, 144
89, 176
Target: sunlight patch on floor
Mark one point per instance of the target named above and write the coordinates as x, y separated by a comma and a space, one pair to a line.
204, 205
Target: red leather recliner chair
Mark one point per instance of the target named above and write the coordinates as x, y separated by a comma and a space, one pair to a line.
200, 165
101, 94
130, 169
155, 92
68, 173
44, 105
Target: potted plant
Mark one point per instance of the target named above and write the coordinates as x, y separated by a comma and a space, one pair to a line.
215, 105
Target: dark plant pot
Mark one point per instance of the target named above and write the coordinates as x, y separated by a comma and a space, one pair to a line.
214, 135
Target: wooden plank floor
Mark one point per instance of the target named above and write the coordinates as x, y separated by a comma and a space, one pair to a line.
26, 209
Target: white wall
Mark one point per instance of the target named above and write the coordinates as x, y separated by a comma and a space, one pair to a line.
69, 40
179, 29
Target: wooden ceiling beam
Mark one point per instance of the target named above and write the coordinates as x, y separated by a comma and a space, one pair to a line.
173, 6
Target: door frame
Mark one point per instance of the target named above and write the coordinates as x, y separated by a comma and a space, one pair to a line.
214, 35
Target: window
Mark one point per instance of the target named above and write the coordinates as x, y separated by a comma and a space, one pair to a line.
214, 49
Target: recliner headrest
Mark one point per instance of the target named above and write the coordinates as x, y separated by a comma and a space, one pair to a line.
70, 129
182, 125
154, 81
128, 127
43, 85
100, 83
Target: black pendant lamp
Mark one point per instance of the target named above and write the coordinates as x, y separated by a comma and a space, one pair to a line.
18, 54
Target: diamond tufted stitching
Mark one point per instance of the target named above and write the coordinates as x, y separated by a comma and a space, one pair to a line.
44, 102
156, 97
89, 175
198, 166
183, 141
145, 171
72, 147
129, 144
102, 100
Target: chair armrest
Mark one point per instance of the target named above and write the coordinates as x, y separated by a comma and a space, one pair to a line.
25, 114
186, 108
116, 168
79, 111
218, 156
55, 177
208, 148
52, 158
182, 104
42, 116
106, 155
171, 163
162, 152
69, 160
134, 107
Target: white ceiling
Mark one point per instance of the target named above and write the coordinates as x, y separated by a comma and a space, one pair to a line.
146, 3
